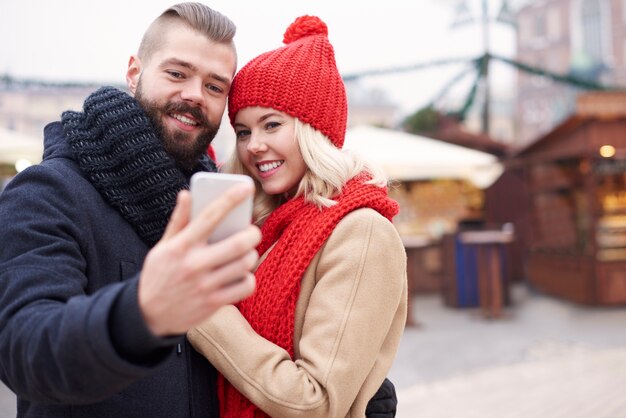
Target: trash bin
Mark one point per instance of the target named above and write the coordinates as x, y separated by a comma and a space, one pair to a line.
475, 269
466, 274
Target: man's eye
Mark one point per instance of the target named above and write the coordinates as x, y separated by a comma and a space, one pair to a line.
214, 88
175, 74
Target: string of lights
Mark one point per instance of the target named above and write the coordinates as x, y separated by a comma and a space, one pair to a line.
477, 64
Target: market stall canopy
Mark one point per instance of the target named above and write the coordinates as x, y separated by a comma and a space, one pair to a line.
16, 146
405, 156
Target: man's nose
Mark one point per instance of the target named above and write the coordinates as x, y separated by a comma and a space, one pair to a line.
193, 92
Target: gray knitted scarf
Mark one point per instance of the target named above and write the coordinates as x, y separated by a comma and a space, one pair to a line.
118, 150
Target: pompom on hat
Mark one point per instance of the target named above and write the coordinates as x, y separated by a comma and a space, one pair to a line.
300, 79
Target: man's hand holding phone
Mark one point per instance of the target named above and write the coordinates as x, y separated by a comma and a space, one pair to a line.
190, 272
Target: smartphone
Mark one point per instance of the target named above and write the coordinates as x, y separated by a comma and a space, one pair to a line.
206, 187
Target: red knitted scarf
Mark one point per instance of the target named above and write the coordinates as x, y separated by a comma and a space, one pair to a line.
299, 229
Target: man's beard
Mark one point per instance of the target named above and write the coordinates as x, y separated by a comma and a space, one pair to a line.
185, 155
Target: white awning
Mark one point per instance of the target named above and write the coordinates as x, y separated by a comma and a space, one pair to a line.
405, 156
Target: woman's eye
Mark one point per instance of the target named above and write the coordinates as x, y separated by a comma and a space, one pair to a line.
272, 125
242, 134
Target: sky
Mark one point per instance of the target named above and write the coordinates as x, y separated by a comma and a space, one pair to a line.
91, 41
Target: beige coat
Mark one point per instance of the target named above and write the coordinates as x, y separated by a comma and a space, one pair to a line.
350, 316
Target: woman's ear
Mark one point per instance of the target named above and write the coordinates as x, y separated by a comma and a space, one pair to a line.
133, 73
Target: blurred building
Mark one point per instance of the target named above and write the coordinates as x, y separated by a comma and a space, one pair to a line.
565, 192
501, 119
370, 107
577, 38
27, 106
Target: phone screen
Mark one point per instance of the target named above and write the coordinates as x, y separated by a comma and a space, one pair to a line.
206, 187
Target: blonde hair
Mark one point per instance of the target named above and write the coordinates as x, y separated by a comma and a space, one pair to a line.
328, 170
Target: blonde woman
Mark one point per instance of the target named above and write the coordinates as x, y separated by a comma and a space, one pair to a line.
320, 333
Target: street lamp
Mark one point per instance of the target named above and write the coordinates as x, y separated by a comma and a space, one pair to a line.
463, 17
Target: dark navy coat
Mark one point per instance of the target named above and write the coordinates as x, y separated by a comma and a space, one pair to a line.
72, 338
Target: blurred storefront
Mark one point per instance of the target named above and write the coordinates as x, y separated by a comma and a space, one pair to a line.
436, 183
430, 210
575, 177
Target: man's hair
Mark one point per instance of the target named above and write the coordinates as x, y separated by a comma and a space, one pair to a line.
328, 170
212, 24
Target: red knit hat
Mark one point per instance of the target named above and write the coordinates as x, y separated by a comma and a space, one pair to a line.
300, 79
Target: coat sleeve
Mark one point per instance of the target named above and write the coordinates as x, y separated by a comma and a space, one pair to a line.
55, 344
359, 294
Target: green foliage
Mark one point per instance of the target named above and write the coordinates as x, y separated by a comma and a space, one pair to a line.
424, 120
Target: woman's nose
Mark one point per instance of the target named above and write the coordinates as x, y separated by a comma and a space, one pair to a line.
256, 144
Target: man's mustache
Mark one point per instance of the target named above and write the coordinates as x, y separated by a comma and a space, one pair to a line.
194, 111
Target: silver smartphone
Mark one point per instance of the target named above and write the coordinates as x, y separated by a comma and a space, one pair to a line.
206, 187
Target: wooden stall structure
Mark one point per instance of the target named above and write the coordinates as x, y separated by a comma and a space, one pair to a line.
576, 177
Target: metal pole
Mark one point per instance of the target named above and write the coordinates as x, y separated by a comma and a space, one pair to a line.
485, 68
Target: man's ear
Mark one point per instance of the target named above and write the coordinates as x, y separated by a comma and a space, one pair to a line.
133, 73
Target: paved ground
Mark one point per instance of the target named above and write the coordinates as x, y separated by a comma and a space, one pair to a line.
7, 402
574, 383
545, 359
